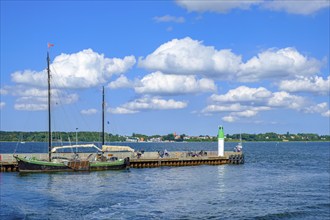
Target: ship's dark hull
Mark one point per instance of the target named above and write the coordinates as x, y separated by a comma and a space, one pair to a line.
26, 165
40, 166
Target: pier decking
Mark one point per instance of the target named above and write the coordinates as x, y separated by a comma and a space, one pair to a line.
142, 160
187, 159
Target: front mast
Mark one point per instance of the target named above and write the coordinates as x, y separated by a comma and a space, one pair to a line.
49, 116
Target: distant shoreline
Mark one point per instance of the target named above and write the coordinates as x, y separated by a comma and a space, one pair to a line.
86, 136
144, 142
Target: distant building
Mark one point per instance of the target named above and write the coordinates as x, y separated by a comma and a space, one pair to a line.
132, 139
159, 139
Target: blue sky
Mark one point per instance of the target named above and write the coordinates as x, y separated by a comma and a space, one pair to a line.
167, 66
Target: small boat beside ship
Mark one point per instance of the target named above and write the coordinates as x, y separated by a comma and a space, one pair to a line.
97, 161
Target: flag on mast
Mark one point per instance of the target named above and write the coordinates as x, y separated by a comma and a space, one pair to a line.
50, 45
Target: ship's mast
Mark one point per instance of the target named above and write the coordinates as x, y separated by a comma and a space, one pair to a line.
49, 116
103, 106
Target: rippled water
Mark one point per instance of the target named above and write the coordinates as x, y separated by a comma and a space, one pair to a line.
278, 181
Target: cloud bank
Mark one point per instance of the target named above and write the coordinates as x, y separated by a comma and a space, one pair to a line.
245, 102
169, 18
84, 69
146, 103
34, 99
157, 83
179, 67
315, 84
81, 70
190, 57
300, 7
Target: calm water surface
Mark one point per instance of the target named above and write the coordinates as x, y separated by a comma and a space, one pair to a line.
278, 181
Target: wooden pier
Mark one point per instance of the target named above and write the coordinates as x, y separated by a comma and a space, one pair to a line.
143, 160
8, 167
184, 159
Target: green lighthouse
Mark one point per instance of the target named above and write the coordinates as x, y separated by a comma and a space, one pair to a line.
221, 142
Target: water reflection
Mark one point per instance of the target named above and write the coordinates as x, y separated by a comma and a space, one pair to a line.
221, 186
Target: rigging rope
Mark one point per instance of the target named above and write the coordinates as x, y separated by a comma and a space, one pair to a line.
60, 96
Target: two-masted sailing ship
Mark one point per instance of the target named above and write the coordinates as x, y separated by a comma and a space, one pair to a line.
59, 164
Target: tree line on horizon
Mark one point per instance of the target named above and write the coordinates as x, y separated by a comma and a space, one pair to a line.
87, 136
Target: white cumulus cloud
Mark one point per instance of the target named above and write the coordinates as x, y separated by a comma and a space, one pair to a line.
30, 77
213, 108
78, 70
235, 111
326, 114
122, 110
190, 57
31, 92
243, 94
301, 7
315, 84
34, 99
180, 56
259, 97
245, 102
146, 103
216, 6
169, 18
159, 83
2, 105
278, 63
121, 82
247, 113
286, 100
229, 118
165, 84
321, 108
30, 107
